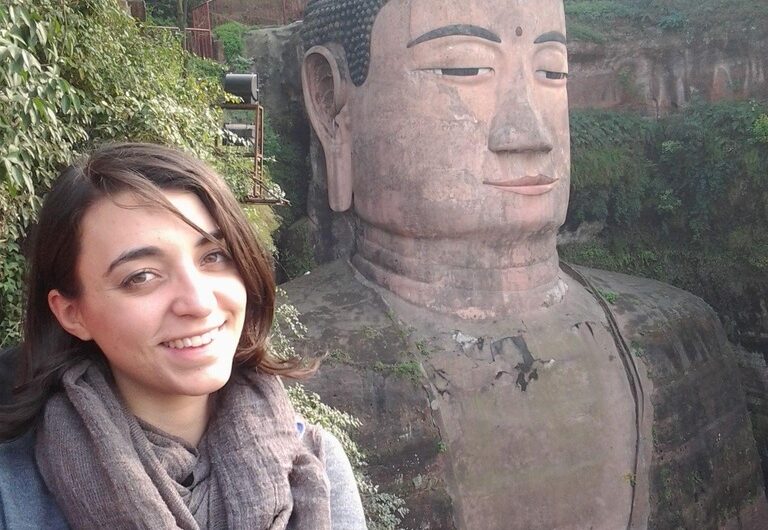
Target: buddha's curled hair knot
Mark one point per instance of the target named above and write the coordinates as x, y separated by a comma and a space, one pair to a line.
345, 22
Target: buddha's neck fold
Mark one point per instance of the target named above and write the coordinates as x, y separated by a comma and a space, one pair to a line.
473, 278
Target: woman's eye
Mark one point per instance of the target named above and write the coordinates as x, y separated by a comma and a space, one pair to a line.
459, 72
217, 256
138, 279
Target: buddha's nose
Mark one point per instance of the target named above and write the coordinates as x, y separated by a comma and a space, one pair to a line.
517, 126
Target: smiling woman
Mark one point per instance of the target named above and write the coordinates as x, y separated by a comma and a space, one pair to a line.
146, 396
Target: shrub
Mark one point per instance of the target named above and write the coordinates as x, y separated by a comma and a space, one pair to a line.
673, 21
231, 36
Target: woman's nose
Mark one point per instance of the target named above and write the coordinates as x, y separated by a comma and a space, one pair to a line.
195, 295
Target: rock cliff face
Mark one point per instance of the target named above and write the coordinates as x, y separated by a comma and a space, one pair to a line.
662, 74
276, 54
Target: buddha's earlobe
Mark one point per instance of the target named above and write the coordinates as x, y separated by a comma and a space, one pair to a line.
324, 84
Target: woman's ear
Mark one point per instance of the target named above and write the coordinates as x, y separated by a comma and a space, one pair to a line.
67, 312
324, 84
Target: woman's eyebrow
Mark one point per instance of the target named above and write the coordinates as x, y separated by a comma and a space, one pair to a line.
551, 36
131, 255
455, 30
217, 234
150, 252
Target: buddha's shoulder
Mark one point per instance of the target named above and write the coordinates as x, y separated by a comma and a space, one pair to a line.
333, 289
646, 300
671, 325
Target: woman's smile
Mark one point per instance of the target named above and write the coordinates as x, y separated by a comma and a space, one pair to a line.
194, 340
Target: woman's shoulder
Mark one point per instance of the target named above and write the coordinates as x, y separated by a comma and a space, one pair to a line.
17, 457
346, 506
24, 499
321, 442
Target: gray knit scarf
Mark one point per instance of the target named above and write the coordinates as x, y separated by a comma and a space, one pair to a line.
107, 470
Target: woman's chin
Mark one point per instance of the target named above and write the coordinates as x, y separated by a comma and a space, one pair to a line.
203, 381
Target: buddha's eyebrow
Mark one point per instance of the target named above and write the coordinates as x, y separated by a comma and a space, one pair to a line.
551, 36
456, 30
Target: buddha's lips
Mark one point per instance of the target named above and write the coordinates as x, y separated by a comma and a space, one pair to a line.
523, 182
528, 185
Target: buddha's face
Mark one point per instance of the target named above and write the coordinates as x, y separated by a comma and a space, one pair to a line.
461, 127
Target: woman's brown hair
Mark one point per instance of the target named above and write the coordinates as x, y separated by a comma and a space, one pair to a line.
144, 170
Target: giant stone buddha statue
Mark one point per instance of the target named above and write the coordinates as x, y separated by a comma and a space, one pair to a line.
498, 388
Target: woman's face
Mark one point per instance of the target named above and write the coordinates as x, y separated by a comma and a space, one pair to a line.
164, 304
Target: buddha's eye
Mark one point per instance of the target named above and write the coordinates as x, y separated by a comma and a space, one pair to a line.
459, 72
552, 75
556, 75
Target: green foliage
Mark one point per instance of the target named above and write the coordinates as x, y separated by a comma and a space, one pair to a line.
610, 174
76, 74
673, 21
230, 35
592, 20
11, 290
240, 65
210, 71
608, 296
600, 10
161, 12
406, 369
286, 166
584, 32
683, 199
760, 129
383, 511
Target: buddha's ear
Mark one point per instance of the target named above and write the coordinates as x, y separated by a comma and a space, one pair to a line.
324, 82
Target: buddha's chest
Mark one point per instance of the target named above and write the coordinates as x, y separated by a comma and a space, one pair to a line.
539, 424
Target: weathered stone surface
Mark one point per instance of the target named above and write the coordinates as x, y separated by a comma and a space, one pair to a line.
754, 375
276, 54
654, 75
458, 187
704, 471
481, 392
663, 73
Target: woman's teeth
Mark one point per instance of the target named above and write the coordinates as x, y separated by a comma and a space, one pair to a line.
192, 342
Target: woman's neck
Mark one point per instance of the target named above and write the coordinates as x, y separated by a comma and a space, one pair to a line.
472, 278
185, 417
